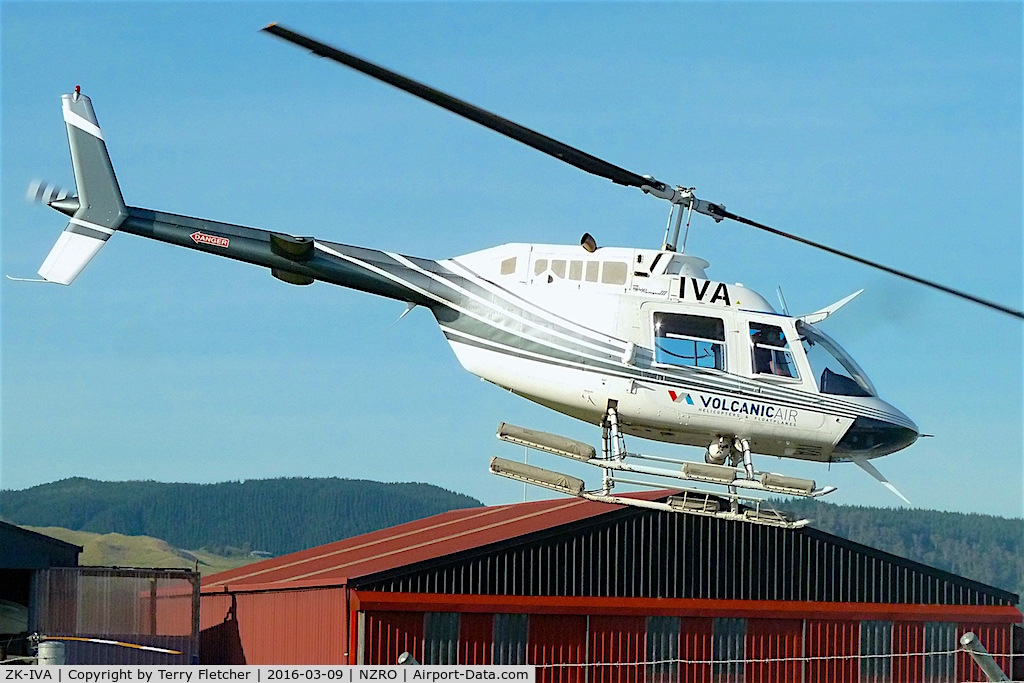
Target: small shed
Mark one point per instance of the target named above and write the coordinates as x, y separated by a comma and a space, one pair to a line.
589, 591
22, 554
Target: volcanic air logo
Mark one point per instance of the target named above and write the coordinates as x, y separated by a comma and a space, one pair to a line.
679, 398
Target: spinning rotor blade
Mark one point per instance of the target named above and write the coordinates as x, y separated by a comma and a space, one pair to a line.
899, 273
584, 161
542, 143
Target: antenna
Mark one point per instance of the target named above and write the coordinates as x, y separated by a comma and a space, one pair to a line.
782, 301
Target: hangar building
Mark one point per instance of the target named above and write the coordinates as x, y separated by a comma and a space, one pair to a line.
592, 592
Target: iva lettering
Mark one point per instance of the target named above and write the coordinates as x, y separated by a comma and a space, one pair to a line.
699, 290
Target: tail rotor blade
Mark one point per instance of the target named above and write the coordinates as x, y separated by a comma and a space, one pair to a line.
865, 465
42, 192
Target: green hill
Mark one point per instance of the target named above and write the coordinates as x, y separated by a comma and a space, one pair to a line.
277, 516
981, 547
118, 550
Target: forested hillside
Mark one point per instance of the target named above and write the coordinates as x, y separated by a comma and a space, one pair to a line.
273, 515
283, 515
981, 547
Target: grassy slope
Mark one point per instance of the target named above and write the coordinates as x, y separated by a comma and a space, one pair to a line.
118, 550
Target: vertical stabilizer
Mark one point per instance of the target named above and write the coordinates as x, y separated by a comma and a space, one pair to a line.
101, 208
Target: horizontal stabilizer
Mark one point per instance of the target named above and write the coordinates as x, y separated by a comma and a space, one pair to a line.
75, 247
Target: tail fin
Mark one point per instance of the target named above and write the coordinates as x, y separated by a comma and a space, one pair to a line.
101, 209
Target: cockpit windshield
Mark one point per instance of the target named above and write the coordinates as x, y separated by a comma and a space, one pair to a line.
834, 370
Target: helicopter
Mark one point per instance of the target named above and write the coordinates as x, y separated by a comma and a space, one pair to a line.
637, 341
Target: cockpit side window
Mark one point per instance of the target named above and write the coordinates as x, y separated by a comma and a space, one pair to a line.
770, 352
835, 371
689, 340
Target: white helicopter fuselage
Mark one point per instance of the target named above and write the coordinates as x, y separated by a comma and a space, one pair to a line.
640, 334
615, 298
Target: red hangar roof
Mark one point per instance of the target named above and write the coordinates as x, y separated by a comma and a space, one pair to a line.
405, 544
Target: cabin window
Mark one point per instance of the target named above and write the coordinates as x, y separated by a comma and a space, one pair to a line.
770, 351
508, 266
690, 340
540, 266
558, 268
835, 372
576, 270
614, 273
593, 270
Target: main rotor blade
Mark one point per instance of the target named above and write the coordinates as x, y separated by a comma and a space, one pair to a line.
538, 141
581, 159
899, 273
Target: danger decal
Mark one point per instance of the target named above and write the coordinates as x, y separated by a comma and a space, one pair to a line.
212, 240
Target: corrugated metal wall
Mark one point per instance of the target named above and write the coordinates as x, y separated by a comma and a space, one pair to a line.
476, 633
832, 639
151, 607
630, 649
695, 646
558, 639
648, 553
621, 641
775, 639
389, 634
279, 627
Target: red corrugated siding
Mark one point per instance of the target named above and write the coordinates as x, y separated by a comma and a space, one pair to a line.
996, 639
557, 639
615, 640
774, 639
476, 634
283, 627
832, 638
389, 634
219, 642
695, 646
906, 638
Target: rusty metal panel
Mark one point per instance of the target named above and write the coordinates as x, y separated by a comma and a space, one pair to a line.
832, 639
558, 639
476, 632
389, 634
695, 645
907, 639
148, 607
775, 639
617, 645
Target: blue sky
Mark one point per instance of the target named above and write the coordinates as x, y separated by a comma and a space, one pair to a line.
890, 130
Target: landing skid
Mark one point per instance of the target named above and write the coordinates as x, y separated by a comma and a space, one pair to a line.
612, 461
